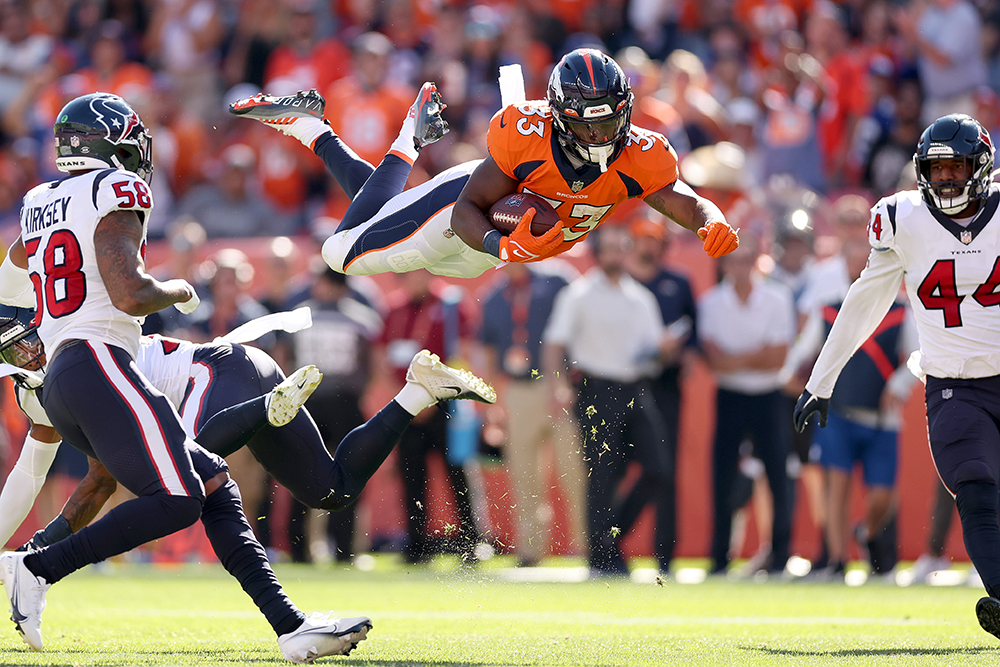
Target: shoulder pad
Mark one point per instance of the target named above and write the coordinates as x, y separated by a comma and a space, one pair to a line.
514, 132
120, 190
882, 223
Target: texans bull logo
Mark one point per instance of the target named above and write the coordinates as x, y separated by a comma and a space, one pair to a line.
116, 116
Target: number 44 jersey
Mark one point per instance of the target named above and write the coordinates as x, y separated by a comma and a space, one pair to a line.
952, 274
58, 221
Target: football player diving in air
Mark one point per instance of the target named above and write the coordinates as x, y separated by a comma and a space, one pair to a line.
81, 240
941, 240
577, 149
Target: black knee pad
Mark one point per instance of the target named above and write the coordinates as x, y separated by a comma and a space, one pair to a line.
226, 495
182, 511
973, 471
974, 498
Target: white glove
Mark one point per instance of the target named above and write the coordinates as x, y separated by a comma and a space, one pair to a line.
189, 306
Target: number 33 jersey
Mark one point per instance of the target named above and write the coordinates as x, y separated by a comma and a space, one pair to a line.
523, 144
58, 221
952, 277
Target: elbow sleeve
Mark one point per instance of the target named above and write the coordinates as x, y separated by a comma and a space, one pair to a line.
15, 285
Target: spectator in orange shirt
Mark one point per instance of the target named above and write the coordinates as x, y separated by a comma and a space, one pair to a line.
846, 78
365, 108
109, 72
21, 52
303, 60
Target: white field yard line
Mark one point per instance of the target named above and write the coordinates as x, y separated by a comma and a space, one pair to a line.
586, 618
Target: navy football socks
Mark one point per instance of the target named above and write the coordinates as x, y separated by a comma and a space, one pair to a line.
977, 507
350, 170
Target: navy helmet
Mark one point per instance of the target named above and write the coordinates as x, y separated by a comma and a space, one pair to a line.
591, 104
102, 130
955, 136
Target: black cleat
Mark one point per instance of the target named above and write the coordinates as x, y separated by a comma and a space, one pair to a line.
428, 126
988, 613
280, 110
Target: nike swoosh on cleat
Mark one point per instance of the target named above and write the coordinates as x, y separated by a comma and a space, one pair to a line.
15, 613
302, 384
457, 390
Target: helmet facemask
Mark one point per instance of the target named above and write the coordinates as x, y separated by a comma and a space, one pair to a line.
594, 141
953, 197
21, 347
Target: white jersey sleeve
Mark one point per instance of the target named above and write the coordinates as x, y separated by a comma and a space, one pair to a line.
122, 191
27, 399
865, 305
882, 224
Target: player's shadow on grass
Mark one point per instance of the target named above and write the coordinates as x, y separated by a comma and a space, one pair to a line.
861, 653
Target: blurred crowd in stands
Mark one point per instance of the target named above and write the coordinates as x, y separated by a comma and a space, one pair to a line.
793, 115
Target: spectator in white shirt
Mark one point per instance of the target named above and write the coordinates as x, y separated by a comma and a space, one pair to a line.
745, 325
608, 326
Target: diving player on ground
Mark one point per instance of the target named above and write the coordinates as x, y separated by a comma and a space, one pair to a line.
943, 241
226, 395
577, 149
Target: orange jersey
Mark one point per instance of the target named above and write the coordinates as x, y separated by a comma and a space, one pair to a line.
522, 142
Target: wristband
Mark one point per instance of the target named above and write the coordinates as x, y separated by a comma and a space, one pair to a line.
491, 242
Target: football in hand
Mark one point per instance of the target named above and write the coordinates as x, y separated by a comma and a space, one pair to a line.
506, 213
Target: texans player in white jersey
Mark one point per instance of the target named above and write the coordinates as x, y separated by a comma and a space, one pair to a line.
942, 240
441, 225
82, 241
208, 384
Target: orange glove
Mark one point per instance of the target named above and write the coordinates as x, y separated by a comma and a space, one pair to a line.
523, 246
720, 239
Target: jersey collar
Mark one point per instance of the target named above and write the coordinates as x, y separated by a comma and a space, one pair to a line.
981, 219
575, 180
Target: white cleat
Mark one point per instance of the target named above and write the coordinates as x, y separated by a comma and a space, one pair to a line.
285, 400
927, 565
445, 383
26, 593
320, 635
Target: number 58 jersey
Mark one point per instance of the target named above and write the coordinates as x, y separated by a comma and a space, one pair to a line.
952, 277
58, 221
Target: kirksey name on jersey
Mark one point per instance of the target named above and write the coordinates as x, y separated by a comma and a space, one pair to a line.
58, 221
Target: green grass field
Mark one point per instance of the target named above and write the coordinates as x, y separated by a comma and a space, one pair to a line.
197, 615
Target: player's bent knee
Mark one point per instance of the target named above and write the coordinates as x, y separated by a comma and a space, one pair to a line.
335, 251
180, 511
215, 483
972, 471
977, 500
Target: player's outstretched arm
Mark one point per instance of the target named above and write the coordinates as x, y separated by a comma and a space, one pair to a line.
15, 285
25, 481
865, 305
486, 185
117, 241
690, 210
